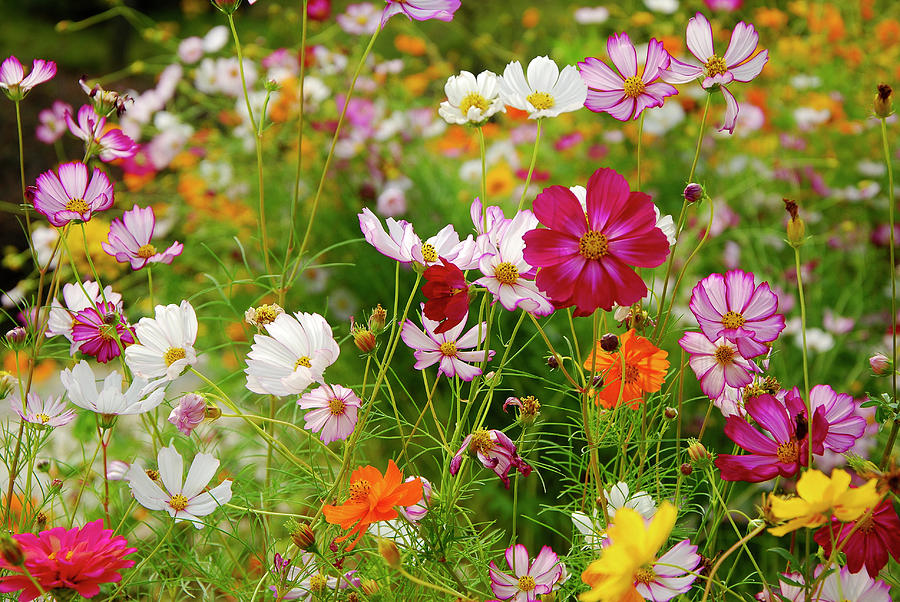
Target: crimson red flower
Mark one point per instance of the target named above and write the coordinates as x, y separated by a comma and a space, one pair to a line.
77, 559
870, 544
448, 295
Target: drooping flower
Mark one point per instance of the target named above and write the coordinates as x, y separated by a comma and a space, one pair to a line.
78, 298
735, 307
625, 94
844, 425
838, 586
14, 82
50, 412
373, 498
735, 65
819, 498
628, 568
471, 99
716, 364
447, 294
129, 240
79, 559
495, 451
585, 256
869, 544
108, 144
101, 332
529, 578
71, 195
292, 356
546, 92
421, 10
305, 580
644, 372
262, 315
189, 413
81, 386
333, 411
183, 498
165, 346
429, 347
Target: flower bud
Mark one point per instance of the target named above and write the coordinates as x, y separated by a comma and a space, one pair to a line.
378, 319
227, 6
884, 101
686, 469
880, 363
552, 362
41, 520
43, 466
693, 192
609, 342
529, 407
303, 536
389, 552
492, 379
212, 412
671, 413
796, 229
16, 337
697, 452
364, 339
55, 486
369, 587
11, 551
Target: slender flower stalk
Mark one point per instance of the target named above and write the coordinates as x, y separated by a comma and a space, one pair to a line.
534, 153
889, 447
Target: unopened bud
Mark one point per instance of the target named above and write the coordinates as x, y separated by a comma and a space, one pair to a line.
686, 469
796, 229
11, 551
880, 363
227, 6
609, 342
492, 379
884, 101
41, 520
378, 319
43, 466
364, 340
389, 551
212, 412
303, 536
697, 451
671, 413
369, 587
693, 192
56, 486
552, 362
16, 336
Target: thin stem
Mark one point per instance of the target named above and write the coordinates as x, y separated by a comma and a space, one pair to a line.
149, 283
802, 299
137, 569
483, 179
639, 136
22, 171
534, 153
889, 448
433, 586
728, 552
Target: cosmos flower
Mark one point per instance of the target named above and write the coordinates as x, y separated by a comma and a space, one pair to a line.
844, 425
402, 244
530, 578
189, 413
333, 411
716, 364
495, 451
129, 239
185, 499
50, 412
77, 298
305, 581
429, 347
420, 10
101, 332
645, 370
471, 99
52, 122
165, 346
81, 386
71, 195
625, 94
546, 92
108, 144
868, 545
14, 82
447, 295
838, 586
359, 19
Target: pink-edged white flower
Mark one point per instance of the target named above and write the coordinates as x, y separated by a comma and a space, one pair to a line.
717, 364
332, 411
165, 346
495, 451
420, 10
71, 195
625, 94
50, 412
717, 72
673, 573
129, 239
529, 578
108, 144
182, 497
189, 413
471, 99
430, 348
417, 511
14, 82
546, 92
845, 425
838, 586
401, 243
52, 122
116, 470
81, 386
305, 581
360, 19
292, 356
446, 244
77, 298
506, 273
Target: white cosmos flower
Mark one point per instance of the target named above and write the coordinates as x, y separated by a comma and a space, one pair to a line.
166, 343
185, 499
546, 92
295, 354
81, 385
471, 99
619, 497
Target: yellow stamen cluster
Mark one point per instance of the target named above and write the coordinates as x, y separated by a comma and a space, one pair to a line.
732, 320
715, 65
634, 87
178, 502
481, 441
336, 406
173, 354
146, 251
724, 355
527, 583
506, 273
541, 100
593, 245
303, 361
473, 99
448, 349
77, 205
429, 253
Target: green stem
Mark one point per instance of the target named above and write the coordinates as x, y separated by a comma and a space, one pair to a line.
640, 135
137, 569
22, 171
534, 153
483, 179
889, 448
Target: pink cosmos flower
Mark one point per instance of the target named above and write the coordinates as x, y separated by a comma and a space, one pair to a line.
189, 413
495, 451
53, 122
782, 453
333, 411
421, 10
586, 256
674, 573
71, 195
446, 347
129, 239
724, 5
14, 82
530, 578
359, 19
101, 332
402, 244
417, 511
625, 94
716, 364
50, 412
78, 559
77, 298
109, 144
719, 71
844, 425
838, 586
735, 307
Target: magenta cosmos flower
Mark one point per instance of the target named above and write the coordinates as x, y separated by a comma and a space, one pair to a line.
78, 559
625, 94
129, 239
735, 307
14, 82
101, 332
718, 72
71, 195
421, 10
586, 256
717, 364
845, 426
529, 579
782, 453
333, 411
495, 451
430, 347
107, 144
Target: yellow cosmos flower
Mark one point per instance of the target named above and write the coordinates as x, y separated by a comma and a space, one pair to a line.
820, 497
633, 549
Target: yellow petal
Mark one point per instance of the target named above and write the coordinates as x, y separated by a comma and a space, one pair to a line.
818, 489
855, 502
660, 529
782, 508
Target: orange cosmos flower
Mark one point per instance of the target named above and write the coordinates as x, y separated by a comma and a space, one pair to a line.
645, 370
372, 498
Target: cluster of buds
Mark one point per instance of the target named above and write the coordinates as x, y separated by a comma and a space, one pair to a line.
364, 337
529, 407
796, 229
633, 317
105, 101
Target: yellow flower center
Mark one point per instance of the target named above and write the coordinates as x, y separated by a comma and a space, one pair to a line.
153, 474
530, 405
336, 406
178, 502
481, 441
645, 575
448, 348
593, 245
173, 355
473, 99
526, 583
317, 582
541, 100
303, 361
789, 452
429, 253
146, 251
506, 273
732, 320
77, 205
632, 373
715, 65
359, 489
724, 355
634, 87
43, 418
265, 314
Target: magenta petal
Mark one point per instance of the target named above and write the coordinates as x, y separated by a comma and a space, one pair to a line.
622, 53
607, 194
748, 438
557, 208
549, 247
629, 288
772, 415
598, 75
753, 469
